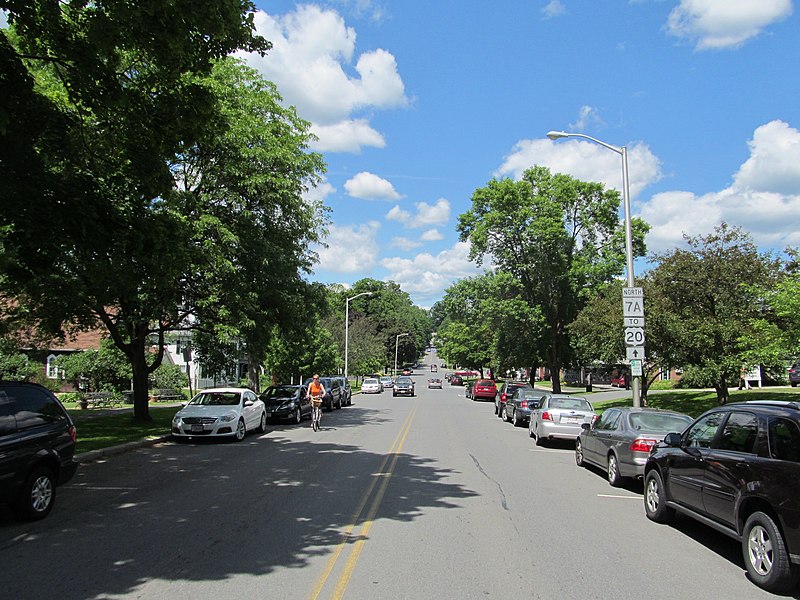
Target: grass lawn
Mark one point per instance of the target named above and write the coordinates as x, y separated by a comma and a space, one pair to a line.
696, 402
102, 429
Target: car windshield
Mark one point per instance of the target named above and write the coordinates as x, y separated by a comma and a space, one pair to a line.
216, 399
371, 382
486, 383
646, 421
570, 403
279, 392
405, 380
386, 378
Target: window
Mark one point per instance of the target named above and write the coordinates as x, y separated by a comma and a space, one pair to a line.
53, 370
784, 440
609, 420
701, 434
35, 407
8, 424
740, 433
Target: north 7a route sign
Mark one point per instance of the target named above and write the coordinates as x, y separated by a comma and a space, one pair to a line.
632, 302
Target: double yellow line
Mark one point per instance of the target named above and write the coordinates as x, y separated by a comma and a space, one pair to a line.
383, 476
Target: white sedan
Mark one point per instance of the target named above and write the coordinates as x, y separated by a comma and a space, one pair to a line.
220, 412
371, 386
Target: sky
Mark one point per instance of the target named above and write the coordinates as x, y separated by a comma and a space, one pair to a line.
416, 104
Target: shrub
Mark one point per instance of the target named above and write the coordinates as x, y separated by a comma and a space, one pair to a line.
169, 376
664, 385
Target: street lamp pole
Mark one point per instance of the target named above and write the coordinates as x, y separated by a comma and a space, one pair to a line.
347, 327
626, 201
396, 346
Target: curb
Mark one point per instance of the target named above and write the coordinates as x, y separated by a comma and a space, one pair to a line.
92, 455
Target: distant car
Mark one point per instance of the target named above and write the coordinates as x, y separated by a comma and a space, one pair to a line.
434, 369
522, 403
333, 397
286, 402
484, 389
560, 416
371, 386
387, 382
435, 382
403, 386
456, 380
620, 441
406, 371
737, 469
794, 374
37, 448
505, 392
220, 412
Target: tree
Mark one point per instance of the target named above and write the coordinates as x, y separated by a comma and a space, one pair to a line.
558, 237
104, 369
710, 291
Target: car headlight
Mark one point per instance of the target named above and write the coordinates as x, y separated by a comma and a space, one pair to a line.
176, 419
227, 418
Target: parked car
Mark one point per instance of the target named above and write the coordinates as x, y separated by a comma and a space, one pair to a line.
794, 374
387, 382
522, 403
737, 469
560, 416
371, 386
286, 402
347, 392
333, 392
506, 390
484, 389
37, 448
434, 382
220, 412
620, 441
456, 380
403, 386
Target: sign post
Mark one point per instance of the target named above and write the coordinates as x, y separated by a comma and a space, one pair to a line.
633, 318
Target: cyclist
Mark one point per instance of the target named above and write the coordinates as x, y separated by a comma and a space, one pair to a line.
316, 391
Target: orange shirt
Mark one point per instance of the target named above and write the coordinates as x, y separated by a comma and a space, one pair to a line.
315, 388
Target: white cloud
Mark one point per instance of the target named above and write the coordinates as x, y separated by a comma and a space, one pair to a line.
588, 116
311, 62
426, 214
351, 248
432, 235
554, 8
320, 192
584, 160
405, 243
426, 276
720, 24
764, 198
3, 19
369, 186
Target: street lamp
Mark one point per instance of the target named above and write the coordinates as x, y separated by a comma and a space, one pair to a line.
626, 200
396, 342
347, 326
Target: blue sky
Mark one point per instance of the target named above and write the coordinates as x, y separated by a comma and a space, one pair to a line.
418, 103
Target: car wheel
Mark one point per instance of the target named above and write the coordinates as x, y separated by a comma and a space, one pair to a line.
495, 408
515, 419
38, 495
614, 478
298, 416
241, 430
339, 404
655, 500
539, 440
579, 453
504, 414
765, 554
530, 428
262, 426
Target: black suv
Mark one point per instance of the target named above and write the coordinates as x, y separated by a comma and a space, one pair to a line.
37, 448
737, 469
333, 397
794, 374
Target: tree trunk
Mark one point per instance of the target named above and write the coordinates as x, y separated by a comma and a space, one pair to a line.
722, 391
252, 374
138, 358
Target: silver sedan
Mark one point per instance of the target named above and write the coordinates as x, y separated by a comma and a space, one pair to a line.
560, 417
620, 441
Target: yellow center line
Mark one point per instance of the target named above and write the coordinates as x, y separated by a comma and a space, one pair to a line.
380, 475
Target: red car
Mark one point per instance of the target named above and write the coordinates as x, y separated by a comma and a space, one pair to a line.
484, 389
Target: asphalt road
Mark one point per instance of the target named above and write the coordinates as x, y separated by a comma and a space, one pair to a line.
424, 497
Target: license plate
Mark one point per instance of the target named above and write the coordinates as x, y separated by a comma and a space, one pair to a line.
269, 415
572, 419
197, 428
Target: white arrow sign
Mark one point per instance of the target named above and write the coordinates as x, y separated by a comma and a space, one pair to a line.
634, 352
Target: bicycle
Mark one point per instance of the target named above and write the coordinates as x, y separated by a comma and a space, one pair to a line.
316, 412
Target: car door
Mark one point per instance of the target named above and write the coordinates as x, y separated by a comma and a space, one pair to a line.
304, 402
730, 465
597, 440
252, 413
686, 466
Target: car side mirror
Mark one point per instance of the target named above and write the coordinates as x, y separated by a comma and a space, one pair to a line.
248, 403
673, 440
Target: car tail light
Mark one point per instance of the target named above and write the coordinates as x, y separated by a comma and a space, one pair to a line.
546, 416
73, 433
503, 397
523, 404
643, 445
